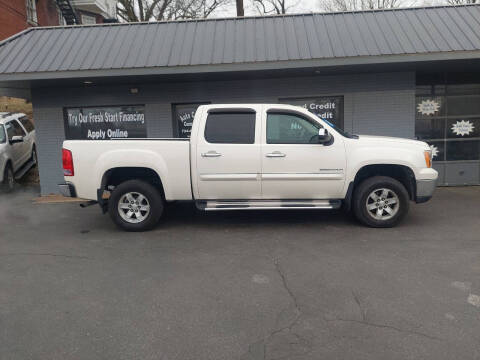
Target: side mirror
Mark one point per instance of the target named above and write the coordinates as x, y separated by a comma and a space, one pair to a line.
323, 136
16, 139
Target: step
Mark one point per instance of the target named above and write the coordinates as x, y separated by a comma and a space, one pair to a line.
218, 205
24, 169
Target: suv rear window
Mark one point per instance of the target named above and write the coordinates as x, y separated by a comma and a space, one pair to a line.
27, 124
230, 128
3, 138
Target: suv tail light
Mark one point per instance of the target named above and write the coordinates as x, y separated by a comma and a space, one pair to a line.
67, 160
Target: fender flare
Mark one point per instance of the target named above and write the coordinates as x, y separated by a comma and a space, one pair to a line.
130, 158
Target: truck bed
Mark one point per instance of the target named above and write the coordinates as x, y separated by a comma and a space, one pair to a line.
170, 158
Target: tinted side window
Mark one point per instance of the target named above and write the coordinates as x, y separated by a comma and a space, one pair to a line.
230, 128
10, 130
27, 124
284, 128
3, 137
18, 129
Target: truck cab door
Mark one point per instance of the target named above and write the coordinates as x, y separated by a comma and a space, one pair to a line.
294, 164
227, 154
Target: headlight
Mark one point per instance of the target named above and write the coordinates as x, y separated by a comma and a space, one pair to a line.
428, 158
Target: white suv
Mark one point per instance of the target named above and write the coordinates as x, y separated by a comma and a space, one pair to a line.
17, 148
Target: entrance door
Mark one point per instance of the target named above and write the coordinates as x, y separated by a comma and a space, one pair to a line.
294, 166
228, 155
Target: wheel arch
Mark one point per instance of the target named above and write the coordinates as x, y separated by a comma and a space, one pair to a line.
7, 162
402, 173
117, 175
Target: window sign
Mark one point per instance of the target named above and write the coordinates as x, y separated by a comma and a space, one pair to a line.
428, 106
105, 122
329, 108
183, 115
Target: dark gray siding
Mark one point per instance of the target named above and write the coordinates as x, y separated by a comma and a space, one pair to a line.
378, 104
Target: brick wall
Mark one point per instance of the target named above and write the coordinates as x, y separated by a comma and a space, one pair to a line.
47, 13
13, 16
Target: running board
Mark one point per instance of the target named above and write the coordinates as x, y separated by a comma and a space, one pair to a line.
216, 205
24, 169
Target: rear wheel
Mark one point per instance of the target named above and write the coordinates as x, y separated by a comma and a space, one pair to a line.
135, 206
8, 179
380, 201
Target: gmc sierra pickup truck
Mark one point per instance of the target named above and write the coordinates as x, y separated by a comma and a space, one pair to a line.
251, 156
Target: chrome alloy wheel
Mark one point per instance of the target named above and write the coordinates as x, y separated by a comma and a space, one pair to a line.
382, 204
133, 207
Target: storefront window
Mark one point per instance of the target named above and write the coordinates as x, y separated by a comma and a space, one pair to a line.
105, 122
463, 150
183, 115
448, 117
430, 129
328, 108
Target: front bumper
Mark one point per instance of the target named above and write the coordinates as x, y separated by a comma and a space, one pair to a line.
67, 190
425, 189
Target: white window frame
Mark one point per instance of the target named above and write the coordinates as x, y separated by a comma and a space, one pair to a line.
90, 20
31, 11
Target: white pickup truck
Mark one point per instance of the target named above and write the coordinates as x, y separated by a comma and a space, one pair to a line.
251, 156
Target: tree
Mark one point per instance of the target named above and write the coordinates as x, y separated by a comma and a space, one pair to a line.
240, 9
352, 5
147, 10
268, 7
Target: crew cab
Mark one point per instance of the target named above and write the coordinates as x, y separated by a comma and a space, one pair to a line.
17, 148
247, 157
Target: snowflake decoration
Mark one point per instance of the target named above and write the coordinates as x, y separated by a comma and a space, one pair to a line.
462, 127
428, 107
434, 150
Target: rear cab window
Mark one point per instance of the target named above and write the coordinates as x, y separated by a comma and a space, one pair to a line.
230, 127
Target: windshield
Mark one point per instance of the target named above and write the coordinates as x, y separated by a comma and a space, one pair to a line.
2, 134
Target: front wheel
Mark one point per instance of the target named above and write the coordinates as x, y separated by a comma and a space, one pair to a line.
135, 206
380, 201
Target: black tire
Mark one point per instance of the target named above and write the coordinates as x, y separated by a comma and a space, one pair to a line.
152, 196
34, 156
362, 198
8, 182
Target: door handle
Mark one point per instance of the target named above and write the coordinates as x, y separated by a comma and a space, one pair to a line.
275, 154
211, 154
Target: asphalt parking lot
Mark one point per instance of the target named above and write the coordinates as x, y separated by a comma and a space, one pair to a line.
240, 285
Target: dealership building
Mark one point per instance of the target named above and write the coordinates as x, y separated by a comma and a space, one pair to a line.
412, 73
